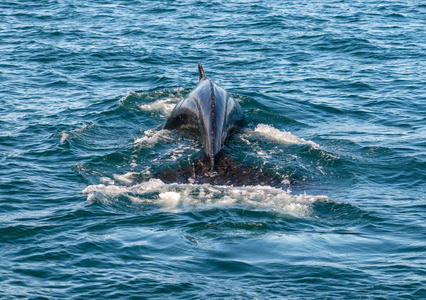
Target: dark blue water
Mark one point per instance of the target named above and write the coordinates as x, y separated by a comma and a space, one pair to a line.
335, 99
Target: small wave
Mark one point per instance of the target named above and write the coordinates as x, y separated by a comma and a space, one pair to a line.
177, 197
130, 95
70, 134
164, 102
282, 136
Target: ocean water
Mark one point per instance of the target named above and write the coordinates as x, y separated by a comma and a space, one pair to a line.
334, 93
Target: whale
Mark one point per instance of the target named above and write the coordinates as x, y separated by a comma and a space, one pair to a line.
210, 113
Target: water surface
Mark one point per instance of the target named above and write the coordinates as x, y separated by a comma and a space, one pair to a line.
334, 95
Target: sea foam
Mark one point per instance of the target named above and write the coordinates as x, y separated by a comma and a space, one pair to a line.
177, 197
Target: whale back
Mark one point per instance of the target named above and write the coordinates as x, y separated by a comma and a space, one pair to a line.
210, 112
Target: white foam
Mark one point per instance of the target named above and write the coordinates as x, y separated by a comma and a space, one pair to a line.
151, 137
125, 178
170, 199
107, 192
180, 197
107, 180
282, 136
164, 106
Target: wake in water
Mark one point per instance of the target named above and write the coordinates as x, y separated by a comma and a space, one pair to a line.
167, 171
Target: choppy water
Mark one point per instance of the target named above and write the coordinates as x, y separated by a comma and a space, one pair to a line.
334, 95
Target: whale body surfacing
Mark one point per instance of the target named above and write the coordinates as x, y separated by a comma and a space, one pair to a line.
209, 112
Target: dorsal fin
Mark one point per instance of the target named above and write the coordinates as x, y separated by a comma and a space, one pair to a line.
201, 71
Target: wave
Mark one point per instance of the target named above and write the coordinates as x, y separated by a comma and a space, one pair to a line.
281, 136
67, 135
164, 101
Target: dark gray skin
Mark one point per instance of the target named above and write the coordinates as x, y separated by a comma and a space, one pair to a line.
227, 172
210, 113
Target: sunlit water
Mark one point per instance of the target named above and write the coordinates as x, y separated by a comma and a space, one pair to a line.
334, 95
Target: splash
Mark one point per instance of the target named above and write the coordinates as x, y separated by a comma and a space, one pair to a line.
282, 136
183, 197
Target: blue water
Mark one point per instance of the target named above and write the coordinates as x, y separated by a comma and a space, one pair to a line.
334, 95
